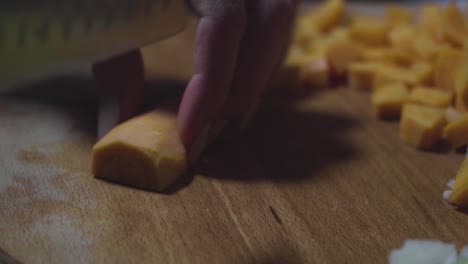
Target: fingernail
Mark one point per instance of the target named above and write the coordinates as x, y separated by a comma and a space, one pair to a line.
199, 145
108, 114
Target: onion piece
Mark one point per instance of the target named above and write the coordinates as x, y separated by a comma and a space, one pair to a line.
451, 183
447, 195
464, 254
424, 252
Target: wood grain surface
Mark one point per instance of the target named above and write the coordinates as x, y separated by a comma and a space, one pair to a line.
313, 181
316, 180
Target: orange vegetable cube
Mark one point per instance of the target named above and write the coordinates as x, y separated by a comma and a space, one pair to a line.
454, 26
389, 55
389, 99
370, 31
398, 14
421, 126
457, 131
328, 15
459, 194
431, 97
374, 54
399, 56
341, 53
144, 152
426, 47
447, 62
305, 32
361, 75
391, 74
339, 33
418, 73
402, 36
431, 21
424, 72
289, 77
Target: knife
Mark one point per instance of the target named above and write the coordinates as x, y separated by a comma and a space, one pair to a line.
42, 38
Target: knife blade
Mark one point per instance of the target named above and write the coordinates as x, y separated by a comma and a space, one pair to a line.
39, 38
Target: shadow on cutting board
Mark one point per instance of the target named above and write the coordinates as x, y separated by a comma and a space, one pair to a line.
282, 144
75, 96
462, 210
7, 259
78, 97
283, 253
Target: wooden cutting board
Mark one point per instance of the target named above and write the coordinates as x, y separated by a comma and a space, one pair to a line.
317, 180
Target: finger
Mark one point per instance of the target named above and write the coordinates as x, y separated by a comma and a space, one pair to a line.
219, 33
262, 49
120, 81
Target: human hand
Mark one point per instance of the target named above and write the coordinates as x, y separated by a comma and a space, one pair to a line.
239, 45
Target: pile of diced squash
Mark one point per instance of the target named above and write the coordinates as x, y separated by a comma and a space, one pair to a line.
413, 63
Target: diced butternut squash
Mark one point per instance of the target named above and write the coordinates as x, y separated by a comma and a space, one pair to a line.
431, 97
305, 32
431, 21
328, 15
398, 56
388, 55
336, 35
144, 152
424, 72
454, 26
426, 47
417, 70
374, 54
447, 62
459, 195
461, 86
289, 78
393, 74
416, 75
421, 126
399, 15
362, 75
402, 36
456, 132
389, 99
339, 33
341, 53
370, 31
301, 71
